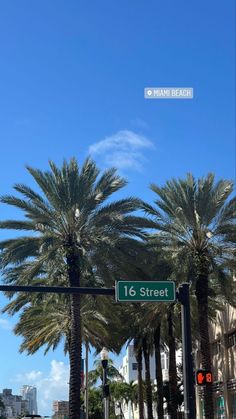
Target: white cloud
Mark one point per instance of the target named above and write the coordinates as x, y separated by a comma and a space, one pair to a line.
28, 377
5, 324
53, 386
123, 150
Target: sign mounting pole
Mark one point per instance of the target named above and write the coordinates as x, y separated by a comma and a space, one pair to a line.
189, 390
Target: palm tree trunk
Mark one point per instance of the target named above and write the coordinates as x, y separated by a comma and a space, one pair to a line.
75, 348
159, 378
132, 409
140, 383
121, 411
205, 353
147, 379
172, 366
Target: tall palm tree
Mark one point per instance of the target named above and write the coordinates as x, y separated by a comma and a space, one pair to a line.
95, 403
123, 392
146, 344
68, 219
197, 224
132, 394
48, 322
172, 365
148, 265
139, 359
117, 395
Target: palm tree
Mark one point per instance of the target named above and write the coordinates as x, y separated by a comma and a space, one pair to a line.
118, 395
2, 409
132, 394
172, 365
146, 345
197, 225
95, 403
97, 373
159, 378
69, 221
48, 322
148, 265
123, 392
139, 359
151, 265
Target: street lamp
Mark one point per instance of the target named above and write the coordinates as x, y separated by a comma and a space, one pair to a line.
105, 386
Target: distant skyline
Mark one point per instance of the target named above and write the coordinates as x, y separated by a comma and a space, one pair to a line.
72, 81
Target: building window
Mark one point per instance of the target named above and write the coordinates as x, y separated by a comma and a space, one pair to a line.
220, 408
134, 366
164, 361
216, 347
234, 406
232, 339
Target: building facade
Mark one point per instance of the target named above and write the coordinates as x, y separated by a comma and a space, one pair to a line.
61, 407
30, 393
223, 349
14, 405
129, 370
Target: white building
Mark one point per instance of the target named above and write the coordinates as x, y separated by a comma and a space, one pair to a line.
30, 393
129, 370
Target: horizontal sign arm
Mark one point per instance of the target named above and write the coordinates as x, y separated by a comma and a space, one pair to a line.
58, 290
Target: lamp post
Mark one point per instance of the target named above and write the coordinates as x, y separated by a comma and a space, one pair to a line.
105, 386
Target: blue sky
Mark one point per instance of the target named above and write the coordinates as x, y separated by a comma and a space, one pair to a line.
72, 77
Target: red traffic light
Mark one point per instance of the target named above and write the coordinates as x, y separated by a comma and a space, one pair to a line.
204, 377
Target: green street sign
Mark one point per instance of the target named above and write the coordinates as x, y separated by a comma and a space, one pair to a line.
145, 291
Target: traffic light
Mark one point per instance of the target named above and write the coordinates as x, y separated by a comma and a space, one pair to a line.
106, 390
204, 377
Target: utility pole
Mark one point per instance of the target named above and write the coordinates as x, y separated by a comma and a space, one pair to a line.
86, 380
189, 389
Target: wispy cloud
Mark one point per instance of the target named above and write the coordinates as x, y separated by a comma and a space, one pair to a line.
124, 150
5, 324
28, 377
51, 386
54, 386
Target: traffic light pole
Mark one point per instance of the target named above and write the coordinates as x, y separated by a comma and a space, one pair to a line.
189, 390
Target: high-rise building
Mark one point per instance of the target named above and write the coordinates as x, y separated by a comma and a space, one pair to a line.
14, 405
30, 393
